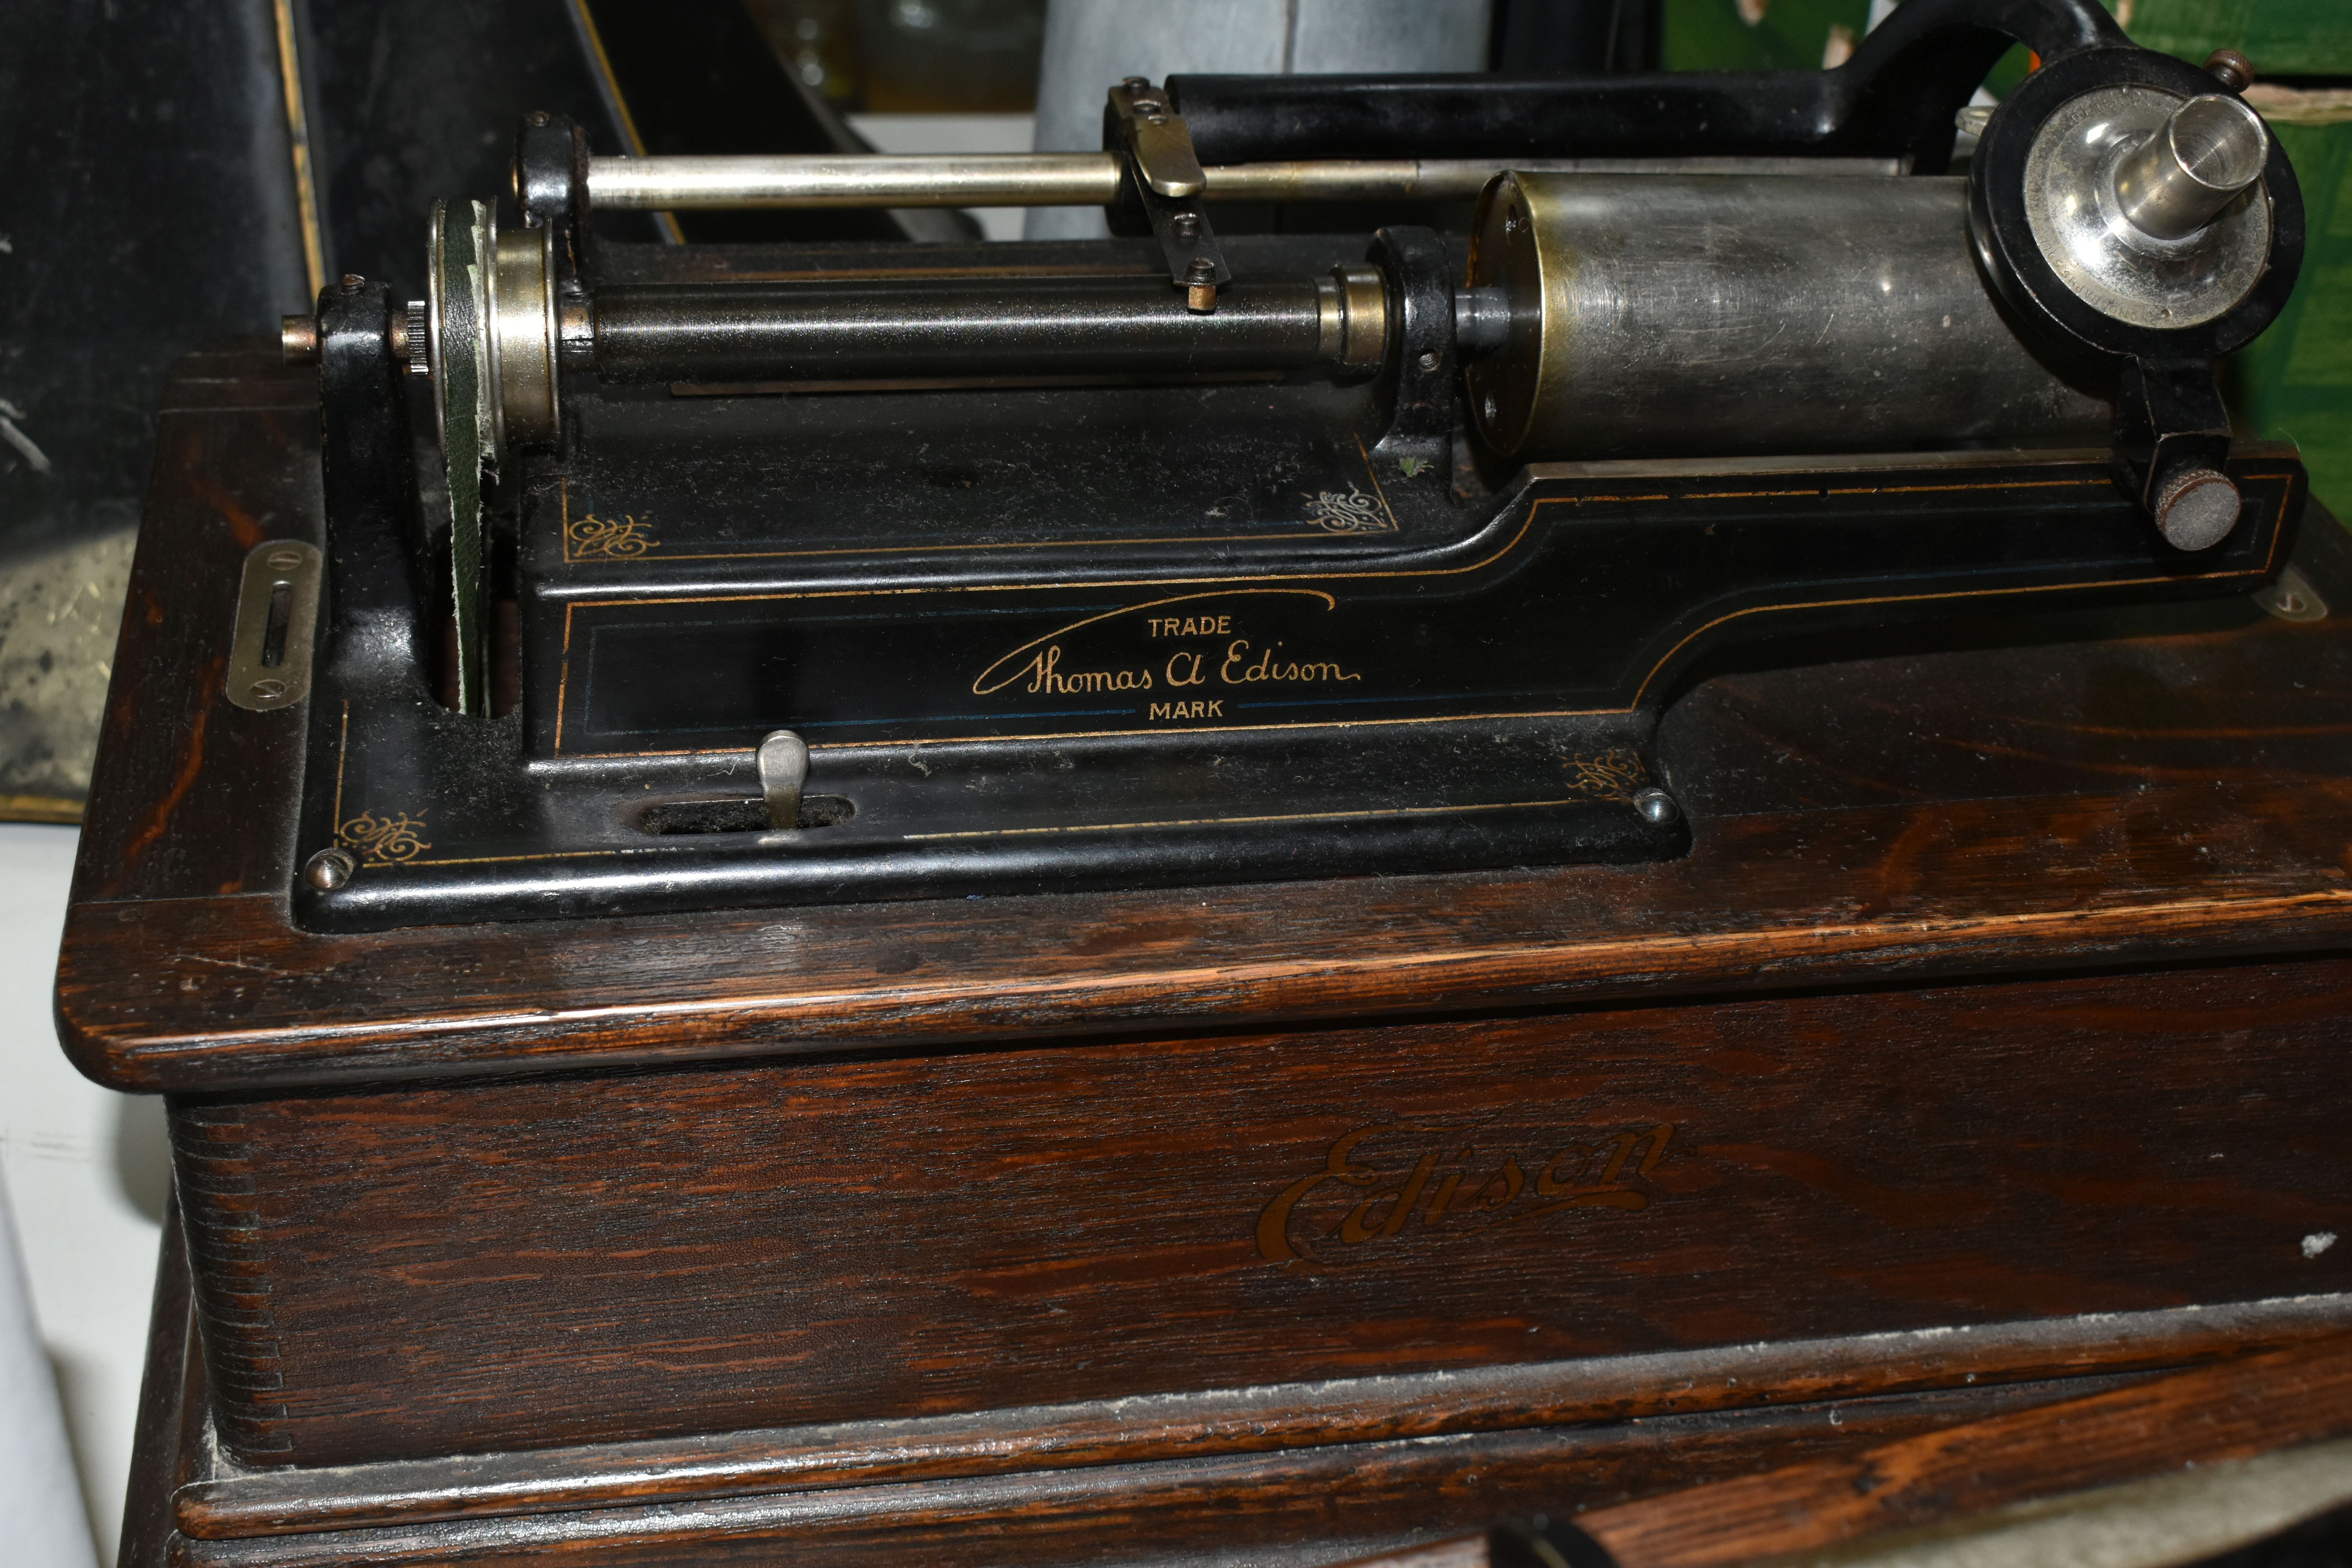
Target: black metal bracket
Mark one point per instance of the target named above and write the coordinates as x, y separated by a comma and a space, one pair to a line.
2170, 420
551, 189
1164, 193
1417, 436
375, 545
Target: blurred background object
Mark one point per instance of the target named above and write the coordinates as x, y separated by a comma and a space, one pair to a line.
949, 57
919, 76
39, 1494
1092, 45
149, 205
818, 41
910, 56
84, 1171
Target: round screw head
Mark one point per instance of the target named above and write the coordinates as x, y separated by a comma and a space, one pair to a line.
268, 691
2195, 509
1656, 807
1185, 225
353, 283
2231, 68
1429, 359
329, 870
537, 118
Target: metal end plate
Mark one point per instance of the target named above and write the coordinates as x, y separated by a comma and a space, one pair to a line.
2107, 262
1505, 387
277, 619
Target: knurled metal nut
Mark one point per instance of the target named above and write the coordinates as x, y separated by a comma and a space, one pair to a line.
419, 336
2197, 509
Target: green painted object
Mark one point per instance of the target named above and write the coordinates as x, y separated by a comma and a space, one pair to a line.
2296, 381
2283, 37
1788, 35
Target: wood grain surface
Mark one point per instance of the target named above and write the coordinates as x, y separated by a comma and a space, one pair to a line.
229, 1500
167, 1443
597, 1257
521, 1504
177, 808
2053, 793
1637, 1477
221, 993
1304, 1506
1952, 1479
2236, 1411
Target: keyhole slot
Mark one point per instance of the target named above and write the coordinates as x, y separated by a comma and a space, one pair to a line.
273, 633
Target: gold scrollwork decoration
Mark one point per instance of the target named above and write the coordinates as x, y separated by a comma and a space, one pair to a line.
614, 538
385, 840
1613, 774
1354, 512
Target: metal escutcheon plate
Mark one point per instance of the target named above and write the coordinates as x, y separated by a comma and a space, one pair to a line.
276, 617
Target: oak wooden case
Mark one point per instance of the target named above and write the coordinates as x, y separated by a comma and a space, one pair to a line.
2004, 990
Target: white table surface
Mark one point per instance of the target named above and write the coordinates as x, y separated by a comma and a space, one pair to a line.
86, 1174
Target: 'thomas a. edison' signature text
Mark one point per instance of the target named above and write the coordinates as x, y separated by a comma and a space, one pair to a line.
1240, 665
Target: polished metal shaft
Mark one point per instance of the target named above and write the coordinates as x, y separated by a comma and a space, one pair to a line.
1092, 179
877, 180
2180, 178
896, 328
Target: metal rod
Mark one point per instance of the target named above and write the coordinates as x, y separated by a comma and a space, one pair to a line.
784, 759
880, 180
1454, 179
996, 327
1092, 179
